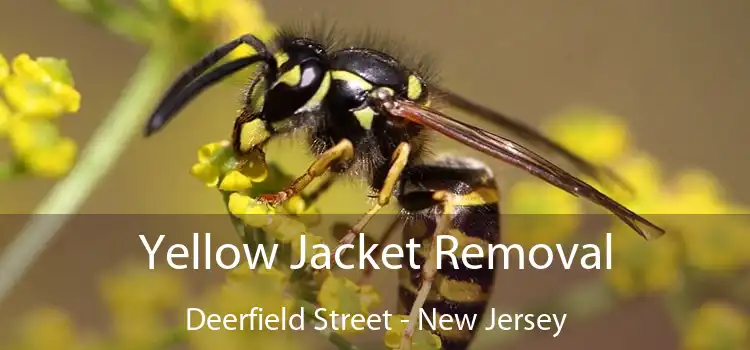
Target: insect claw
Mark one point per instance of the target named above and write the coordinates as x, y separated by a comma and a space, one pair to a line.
272, 199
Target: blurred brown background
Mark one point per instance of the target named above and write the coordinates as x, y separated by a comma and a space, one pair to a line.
677, 70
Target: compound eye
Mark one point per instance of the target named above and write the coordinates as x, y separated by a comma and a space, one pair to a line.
302, 86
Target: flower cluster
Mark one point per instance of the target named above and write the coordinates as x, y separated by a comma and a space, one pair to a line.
215, 160
704, 238
48, 329
37, 92
596, 136
231, 18
244, 290
187, 27
718, 325
218, 168
715, 242
139, 301
540, 214
346, 297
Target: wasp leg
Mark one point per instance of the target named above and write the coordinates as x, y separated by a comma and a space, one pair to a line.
315, 194
429, 269
341, 152
398, 163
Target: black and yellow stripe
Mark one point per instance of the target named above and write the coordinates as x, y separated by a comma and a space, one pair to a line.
457, 290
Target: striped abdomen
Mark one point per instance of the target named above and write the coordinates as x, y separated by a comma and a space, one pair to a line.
458, 291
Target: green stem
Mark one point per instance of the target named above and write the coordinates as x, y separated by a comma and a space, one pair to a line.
103, 150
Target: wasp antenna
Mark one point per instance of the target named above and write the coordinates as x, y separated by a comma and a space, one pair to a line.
179, 93
167, 110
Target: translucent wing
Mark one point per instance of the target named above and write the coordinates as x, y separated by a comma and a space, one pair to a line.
513, 153
528, 134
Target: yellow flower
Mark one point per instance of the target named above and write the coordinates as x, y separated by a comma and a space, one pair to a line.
249, 171
207, 152
288, 230
5, 117
38, 144
540, 213
235, 181
697, 192
283, 228
37, 91
712, 242
205, 339
537, 197
214, 160
208, 167
276, 276
239, 203
346, 297
421, 340
138, 299
264, 289
53, 161
206, 173
692, 192
295, 205
135, 288
302, 213
597, 136
198, 10
232, 17
250, 211
640, 266
26, 135
41, 88
642, 172
48, 329
4, 69
715, 242
240, 17
52, 329
135, 330
717, 325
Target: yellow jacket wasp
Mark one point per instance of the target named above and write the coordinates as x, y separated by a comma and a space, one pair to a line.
367, 115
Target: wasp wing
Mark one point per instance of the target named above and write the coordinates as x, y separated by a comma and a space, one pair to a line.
528, 133
514, 153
